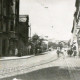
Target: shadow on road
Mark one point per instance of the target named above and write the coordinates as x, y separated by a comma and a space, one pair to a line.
51, 73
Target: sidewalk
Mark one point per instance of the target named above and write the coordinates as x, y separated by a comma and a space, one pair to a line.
15, 57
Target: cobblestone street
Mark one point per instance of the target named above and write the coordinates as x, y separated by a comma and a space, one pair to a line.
49, 67
39, 39
23, 65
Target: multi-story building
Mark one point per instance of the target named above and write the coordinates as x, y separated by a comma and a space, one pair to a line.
9, 18
23, 34
76, 27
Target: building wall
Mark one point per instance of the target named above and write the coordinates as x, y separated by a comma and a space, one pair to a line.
23, 34
76, 26
78, 40
9, 18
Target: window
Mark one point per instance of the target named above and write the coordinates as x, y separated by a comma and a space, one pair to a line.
12, 26
4, 13
0, 7
4, 27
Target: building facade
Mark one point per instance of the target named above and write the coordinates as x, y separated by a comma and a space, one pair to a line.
76, 27
23, 34
9, 19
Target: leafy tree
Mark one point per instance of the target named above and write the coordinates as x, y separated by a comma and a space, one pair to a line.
35, 37
37, 43
52, 44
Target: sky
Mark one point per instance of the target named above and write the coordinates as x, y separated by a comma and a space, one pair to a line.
52, 18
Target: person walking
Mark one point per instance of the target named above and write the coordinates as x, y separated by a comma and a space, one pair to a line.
70, 51
74, 50
58, 52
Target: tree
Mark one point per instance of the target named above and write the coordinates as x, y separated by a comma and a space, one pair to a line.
37, 43
35, 38
52, 44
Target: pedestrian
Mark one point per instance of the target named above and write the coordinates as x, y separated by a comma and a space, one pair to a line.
16, 51
62, 52
74, 50
58, 51
70, 51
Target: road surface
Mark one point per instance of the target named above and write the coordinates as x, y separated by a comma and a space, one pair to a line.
49, 67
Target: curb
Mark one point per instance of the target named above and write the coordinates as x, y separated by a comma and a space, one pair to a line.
22, 57
17, 58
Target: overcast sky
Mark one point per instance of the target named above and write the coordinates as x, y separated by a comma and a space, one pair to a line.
52, 18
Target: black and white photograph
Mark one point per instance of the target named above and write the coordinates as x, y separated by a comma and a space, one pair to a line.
39, 39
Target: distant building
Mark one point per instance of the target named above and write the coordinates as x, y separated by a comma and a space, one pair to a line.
9, 19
